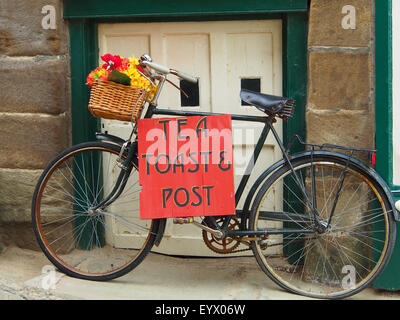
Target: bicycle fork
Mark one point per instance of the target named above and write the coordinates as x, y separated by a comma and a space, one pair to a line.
123, 176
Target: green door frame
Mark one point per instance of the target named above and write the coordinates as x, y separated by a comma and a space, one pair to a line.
383, 113
84, 17
390, 278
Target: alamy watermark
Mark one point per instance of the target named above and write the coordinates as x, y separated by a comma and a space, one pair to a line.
349, 280
49, 279
349, 20
200, 147
49, 20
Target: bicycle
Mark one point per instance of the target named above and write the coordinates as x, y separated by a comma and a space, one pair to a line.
330, 237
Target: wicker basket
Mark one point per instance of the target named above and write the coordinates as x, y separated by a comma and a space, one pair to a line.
110, 100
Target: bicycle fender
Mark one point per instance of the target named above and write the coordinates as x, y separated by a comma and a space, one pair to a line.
372, 173
306, 154
109, 137
160, 231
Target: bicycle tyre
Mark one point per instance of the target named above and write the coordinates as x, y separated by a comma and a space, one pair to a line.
83, 245
342, 260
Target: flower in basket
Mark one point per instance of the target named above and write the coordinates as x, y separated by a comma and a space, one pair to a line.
111, 62
120, 70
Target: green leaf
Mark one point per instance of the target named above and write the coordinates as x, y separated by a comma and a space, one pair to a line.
119, 77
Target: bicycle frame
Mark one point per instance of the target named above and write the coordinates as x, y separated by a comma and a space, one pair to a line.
268, 126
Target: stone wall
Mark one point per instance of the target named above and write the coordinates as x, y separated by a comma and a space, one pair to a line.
340, 95
340, 102
34, 107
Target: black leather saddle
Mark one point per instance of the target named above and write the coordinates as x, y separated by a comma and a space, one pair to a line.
272, 105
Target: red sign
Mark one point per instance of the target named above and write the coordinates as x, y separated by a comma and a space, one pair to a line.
186, 167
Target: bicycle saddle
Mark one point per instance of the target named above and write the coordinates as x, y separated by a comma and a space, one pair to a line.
271, 105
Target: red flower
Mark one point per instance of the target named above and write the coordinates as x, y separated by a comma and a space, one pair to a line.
111, 62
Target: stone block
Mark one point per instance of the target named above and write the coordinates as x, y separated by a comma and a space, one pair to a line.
17, 187
34, 85
30, 141
339, 80
18, 234
21, 31
341, 128
325, 23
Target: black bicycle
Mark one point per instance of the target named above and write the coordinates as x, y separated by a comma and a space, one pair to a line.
329, 235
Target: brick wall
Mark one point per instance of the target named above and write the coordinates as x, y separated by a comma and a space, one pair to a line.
34, 107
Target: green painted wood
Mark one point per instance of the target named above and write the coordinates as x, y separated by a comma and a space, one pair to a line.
84, 55
383, 108
294, 50
390, 278
133, 8
83, 58
214, 17
295, 27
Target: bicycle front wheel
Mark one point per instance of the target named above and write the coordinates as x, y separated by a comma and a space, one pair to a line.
91, 245
349, 246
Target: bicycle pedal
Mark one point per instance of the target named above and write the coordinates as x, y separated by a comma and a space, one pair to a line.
183, 220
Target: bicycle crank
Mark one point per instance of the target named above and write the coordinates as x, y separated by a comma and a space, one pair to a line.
216, 233
223, 245
215, 239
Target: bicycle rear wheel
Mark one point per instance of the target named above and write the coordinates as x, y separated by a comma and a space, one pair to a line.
82, 243
357, 235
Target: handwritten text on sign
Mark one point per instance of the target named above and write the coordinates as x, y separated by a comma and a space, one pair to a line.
186, 167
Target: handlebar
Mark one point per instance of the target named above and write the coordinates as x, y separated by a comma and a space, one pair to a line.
184, 76
146, 61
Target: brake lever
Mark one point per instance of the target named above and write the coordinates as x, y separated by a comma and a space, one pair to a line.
186, 95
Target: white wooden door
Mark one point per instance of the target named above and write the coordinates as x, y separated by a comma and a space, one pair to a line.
224, 55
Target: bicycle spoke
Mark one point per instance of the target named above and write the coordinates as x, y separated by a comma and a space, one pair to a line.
80, 240
354, 240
